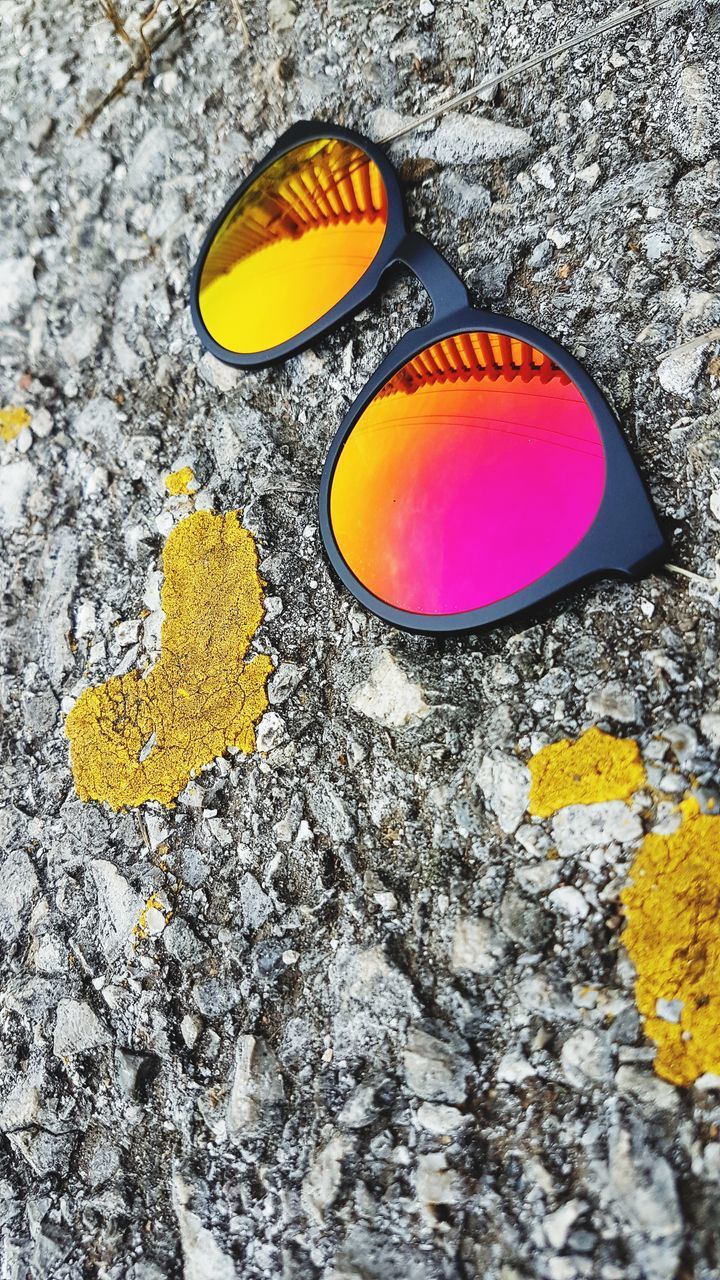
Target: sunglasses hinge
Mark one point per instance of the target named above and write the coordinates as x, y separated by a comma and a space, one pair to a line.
444, 286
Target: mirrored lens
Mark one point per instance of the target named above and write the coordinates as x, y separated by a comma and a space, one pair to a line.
293, 246
472, 473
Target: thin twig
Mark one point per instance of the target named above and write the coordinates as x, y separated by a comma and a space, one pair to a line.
152, 13
694, 577
178, 21
491, 82
692, 344
237, 7
112, 15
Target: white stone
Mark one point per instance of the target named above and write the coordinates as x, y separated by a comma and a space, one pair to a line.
257, 1085
284, 681
154, 921
514, 1068
709, 1080
78, 1029
18, 886
322, 1181
556, 1225
98, 424
703, 245
646, 1087
590, 174
16, 479
710, 726
85, 620
17, 286
157, 829
439, 1119
434, 1070
190, 1029
693, 125
203, 1259
255, 905
218, 375
669, 1010
359, 1109
476, 946
585, 1059
581, 827
388, 696
643, 1190
119, 907
505, 784
542, 173
374, 1000
435, 1183
271, 732
615, 703
464, 139
679, 373
42, 423
569, 901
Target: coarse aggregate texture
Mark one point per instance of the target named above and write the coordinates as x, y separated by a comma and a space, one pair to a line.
347, 1010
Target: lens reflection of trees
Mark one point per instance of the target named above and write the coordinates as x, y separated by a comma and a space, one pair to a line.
475, 357
324, 183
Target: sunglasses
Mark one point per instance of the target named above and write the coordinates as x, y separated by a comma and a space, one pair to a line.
480, 472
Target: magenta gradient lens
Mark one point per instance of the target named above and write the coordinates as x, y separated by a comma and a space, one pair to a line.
471, 474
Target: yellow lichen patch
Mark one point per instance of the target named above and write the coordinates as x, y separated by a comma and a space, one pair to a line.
12, 421
182, 481
152, 918
673, 937
141, 737
596, 767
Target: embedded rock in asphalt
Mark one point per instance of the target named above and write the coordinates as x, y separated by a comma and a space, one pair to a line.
347, 1008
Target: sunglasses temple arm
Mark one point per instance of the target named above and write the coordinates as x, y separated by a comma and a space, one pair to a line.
447, 291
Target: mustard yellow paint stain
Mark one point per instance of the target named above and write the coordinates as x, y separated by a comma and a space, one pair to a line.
594, 768
12, 421
673, 937
141, 737
181, 482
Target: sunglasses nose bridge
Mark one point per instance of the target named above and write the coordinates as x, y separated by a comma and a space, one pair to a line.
447, 291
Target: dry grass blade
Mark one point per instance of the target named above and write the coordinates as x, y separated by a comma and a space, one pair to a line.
237, 8
145, 42
136, 68
692, 344
691, 576
110, 12
590, 33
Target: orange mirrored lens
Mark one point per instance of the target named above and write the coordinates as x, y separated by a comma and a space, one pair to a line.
293, 246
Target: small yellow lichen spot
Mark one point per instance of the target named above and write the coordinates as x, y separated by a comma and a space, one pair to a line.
182, 481
673, 907
597, 767
213, 604
12, 421
152, 918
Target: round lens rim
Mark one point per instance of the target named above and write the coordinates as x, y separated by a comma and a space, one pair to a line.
396, 231
623, 539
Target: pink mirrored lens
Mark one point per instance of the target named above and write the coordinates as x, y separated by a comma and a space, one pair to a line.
472, 473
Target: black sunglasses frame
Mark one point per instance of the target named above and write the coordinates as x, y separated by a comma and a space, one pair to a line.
624, 539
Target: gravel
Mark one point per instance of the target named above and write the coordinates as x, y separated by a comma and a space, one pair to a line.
383, 1024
